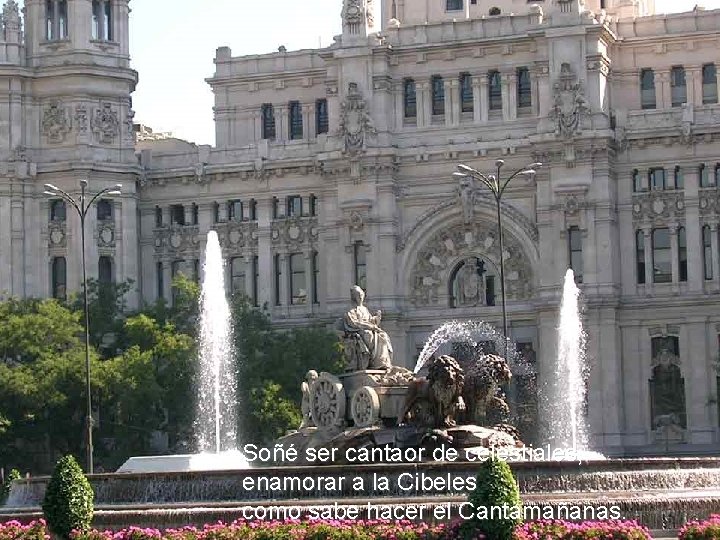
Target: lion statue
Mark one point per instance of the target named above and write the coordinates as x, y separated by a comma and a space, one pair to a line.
434, 401
482, 392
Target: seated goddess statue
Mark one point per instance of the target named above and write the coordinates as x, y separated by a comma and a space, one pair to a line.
367, 345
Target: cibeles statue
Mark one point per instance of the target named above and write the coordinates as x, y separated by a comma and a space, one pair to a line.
367, 345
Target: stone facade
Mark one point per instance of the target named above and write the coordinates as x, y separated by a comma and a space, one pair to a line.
335, 165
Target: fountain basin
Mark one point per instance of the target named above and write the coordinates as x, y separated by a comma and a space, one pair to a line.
230, 460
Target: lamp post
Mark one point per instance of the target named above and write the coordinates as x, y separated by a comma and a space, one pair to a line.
497, 188
81, 206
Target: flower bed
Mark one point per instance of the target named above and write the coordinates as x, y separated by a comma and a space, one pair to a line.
566, 530
702, 530
14, 530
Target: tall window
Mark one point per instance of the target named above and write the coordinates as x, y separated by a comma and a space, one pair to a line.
315, 277
105, 269
56, 20
158, 217
102, 20
256, 280
321, 116
360, 265
640, 256
717, 174
667, 386
296, 120
682, 254
298, 280
709, 84
268, 121
216, 212
252, 210
678, 87
160, 277
466, 93
237, 276
705, 179
294, 206
707, 252
679, 178
104, 210
275, 208
438, 95
637, 179
59, 278
495, 91
235, 210
277, 270
575, 252
657, 178
454, 5
662, 256
524, 89
58, 210
313, 205
409, 99
647, 89
195, 214
177, 214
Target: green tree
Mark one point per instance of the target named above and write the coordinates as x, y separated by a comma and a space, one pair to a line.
68, 502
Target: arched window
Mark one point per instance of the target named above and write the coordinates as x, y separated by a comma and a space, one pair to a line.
409, 99
57, 210
104, 210
105, 270
59, 278
472, 283
667, 386
707, 251
494, 11
237, 275
495, 91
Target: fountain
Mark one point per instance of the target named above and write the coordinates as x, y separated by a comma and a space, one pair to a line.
215, 423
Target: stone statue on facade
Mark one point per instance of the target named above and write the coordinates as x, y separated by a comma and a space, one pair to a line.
471, 283
367, 345
570, 105
355, 121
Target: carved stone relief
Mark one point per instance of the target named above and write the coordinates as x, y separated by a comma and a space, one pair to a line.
353, 12
106, 235
57, 235
81, 118
177, 240
355, 122
295, 233
235, 236
709, 202
106, 124
430, 273
56, 122
11, 16
658, 206
570, 106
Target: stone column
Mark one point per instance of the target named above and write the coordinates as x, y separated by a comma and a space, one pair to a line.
693, 78
450, 86
308, 124
647, 233
281, 123
662, 89
484, 99
714, 255
424, 103
509, 93
399, 106
285, 280
477, 103
188, 208
257, 125
249, 274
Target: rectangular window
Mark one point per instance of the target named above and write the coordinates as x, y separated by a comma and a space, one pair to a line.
235, 210
640, 256
679, 178
717, 174
661, 256
298, 281
409, 99
495, 91
657, 179
294, 206
256, 280
104, 210
315, 277
707, 252
575, 252
678, 87
313, 205
277, 270
438, 95
59, 278
237, 276
705, 179
160, 276
107, 21
177, 214
360, 265
321, 116
709, 84
58, 210
252, 210
96, 19
105, 269
682, 254
524, 88
454, 5
296, 120
275, 208
216, 212
158, 217
268, 121
638, 182
466, 93
195, 214
647, 89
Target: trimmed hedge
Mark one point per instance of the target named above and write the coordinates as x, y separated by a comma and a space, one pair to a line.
708, 529
68, 503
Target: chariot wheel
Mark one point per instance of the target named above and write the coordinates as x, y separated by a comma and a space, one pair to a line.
365, 407
327, 401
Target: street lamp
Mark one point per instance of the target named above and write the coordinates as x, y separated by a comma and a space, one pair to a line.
497, 188
82, 206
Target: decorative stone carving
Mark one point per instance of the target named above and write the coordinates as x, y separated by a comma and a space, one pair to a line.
327, 402
356, 221
367, 346
709, 202
436, 259
106, 123
355, 121
11, 17
365, 407
81, 118
106, 235
471, 283
295, 232
570, 105
353, 12
56, 123
306, 403
180, 240
57, 235
658, 206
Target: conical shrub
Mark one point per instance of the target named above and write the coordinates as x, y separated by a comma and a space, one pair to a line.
496, 504
68, 503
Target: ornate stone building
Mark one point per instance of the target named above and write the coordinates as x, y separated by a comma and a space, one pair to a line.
335, 165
